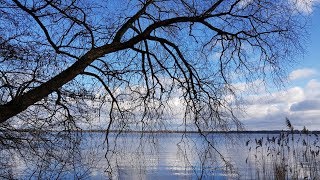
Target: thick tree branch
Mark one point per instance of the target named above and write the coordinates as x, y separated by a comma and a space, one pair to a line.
21, 103
131, 20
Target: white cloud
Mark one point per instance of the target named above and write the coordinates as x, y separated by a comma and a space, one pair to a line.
301, 105
291, 95
305, 6
302, 73
302, 6
245, 2
265, 110
313, 89
257, 86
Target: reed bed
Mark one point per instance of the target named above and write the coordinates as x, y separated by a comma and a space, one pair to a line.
292, 154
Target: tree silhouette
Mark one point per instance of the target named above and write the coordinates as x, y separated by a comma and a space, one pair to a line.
64, 63
130, 65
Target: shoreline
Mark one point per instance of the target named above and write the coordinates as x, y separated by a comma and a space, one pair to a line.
178, 132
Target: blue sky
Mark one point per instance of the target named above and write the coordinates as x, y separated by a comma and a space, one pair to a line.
299, 100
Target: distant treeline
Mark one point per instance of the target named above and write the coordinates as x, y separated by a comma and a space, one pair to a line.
177, 131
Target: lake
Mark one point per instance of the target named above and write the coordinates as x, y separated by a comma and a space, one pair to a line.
166, 156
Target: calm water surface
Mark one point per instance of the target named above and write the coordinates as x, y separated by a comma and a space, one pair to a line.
153, 156
177, 156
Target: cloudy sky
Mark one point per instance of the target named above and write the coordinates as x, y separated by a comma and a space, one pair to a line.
299, 100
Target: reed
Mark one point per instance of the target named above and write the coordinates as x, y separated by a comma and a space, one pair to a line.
288, 155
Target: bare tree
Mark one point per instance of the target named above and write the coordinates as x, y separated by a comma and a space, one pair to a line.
60, 60
132, 65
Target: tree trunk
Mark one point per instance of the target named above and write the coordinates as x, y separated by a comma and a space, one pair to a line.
21, 103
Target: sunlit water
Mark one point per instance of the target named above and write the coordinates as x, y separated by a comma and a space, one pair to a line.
159, 156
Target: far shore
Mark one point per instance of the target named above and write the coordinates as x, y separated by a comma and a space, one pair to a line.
178, 131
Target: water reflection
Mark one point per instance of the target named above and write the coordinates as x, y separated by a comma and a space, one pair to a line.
50, 155
73, 155
186, 156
